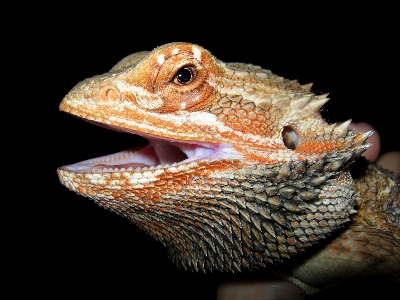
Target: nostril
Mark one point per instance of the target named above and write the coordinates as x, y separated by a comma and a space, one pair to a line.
290, 138
110, 94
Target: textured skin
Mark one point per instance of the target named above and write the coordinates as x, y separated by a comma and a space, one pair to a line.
263, 177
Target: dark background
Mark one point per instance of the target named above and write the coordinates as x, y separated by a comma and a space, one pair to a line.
71, 246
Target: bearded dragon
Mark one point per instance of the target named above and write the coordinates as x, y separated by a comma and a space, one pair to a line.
240, 170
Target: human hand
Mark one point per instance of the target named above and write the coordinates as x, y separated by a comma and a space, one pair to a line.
389, 160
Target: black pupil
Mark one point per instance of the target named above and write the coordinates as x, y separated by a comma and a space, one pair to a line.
184, 75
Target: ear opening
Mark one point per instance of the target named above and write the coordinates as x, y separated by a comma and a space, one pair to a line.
290, 138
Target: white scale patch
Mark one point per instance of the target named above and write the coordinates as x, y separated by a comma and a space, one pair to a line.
197, 118
145, 177
203, 118
74, 102
183, 106
160, 59
196, 53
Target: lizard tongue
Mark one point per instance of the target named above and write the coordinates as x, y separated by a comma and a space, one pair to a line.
173, 152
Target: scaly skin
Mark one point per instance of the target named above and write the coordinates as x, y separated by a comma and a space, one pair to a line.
240, 171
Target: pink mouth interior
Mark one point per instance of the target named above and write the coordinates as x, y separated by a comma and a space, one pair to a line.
158, 153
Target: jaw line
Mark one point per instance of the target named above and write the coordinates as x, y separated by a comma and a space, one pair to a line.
158, 153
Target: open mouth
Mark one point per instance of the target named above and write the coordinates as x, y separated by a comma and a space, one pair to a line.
156, 153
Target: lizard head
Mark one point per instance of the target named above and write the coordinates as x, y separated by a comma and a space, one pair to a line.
240, 169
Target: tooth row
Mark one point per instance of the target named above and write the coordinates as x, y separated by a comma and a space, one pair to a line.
139, 169
113, 158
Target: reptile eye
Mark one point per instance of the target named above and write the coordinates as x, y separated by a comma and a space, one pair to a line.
185, 75
289, 138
